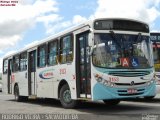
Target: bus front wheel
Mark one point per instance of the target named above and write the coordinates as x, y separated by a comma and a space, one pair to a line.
65, 97
111, 102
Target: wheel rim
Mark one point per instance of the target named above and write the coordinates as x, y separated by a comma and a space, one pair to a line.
67, 96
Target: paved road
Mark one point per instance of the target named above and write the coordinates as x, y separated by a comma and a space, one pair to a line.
131, 110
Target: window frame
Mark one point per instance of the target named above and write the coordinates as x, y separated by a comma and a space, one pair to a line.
5, 66
25, 63
43, 56
61, 49
51, 43
14, 68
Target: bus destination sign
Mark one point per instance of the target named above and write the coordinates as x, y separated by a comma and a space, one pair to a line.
155, 36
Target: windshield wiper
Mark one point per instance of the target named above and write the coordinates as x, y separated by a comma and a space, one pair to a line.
120, 45
139, 37
112, 34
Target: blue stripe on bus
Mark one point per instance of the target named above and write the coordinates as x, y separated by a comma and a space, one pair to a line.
101, 92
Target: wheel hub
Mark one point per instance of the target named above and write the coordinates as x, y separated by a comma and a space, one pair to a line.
67, 96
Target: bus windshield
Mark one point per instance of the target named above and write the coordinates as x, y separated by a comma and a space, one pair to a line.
122, 51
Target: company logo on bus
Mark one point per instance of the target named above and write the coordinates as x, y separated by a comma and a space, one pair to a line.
132, 83
47, 74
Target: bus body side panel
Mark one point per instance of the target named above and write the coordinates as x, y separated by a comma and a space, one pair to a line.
21, 79
48, 79
67, 72
45, 84
4, 83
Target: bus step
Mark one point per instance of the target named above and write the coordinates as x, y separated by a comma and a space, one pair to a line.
32, 97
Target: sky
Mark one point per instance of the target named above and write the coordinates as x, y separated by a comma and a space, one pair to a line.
30, 21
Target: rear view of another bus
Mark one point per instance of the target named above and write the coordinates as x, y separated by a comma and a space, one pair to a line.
155, 38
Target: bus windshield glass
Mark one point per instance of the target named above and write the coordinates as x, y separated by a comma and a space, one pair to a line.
122, 51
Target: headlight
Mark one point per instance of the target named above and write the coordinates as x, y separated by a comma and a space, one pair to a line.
150, 82
103, 81
99, 79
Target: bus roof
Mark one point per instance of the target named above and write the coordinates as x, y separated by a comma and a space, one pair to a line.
52, 37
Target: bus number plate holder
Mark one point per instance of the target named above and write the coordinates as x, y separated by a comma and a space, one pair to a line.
132, 91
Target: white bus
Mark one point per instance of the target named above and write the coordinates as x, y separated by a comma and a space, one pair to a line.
103, 59
155, 38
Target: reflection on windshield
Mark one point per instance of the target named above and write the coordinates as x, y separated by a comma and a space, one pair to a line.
122, 51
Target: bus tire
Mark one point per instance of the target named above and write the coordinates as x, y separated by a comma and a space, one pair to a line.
65, 97
18, 98
111, 102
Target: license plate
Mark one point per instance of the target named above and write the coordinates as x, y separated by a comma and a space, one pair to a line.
132, 91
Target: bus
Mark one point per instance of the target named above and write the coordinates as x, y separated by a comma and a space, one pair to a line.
106, 59
155, 38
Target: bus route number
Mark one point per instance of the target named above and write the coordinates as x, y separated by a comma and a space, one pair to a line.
63, 71
113, 79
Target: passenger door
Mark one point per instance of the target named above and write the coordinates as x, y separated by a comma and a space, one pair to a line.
9, 82
83, 67
32, 73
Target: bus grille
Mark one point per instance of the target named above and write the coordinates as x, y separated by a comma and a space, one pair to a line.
129, 84
129, 73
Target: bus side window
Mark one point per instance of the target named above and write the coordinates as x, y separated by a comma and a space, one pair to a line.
52, 52
66, 49
42, 56
15, 63
23, 61
5, 66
